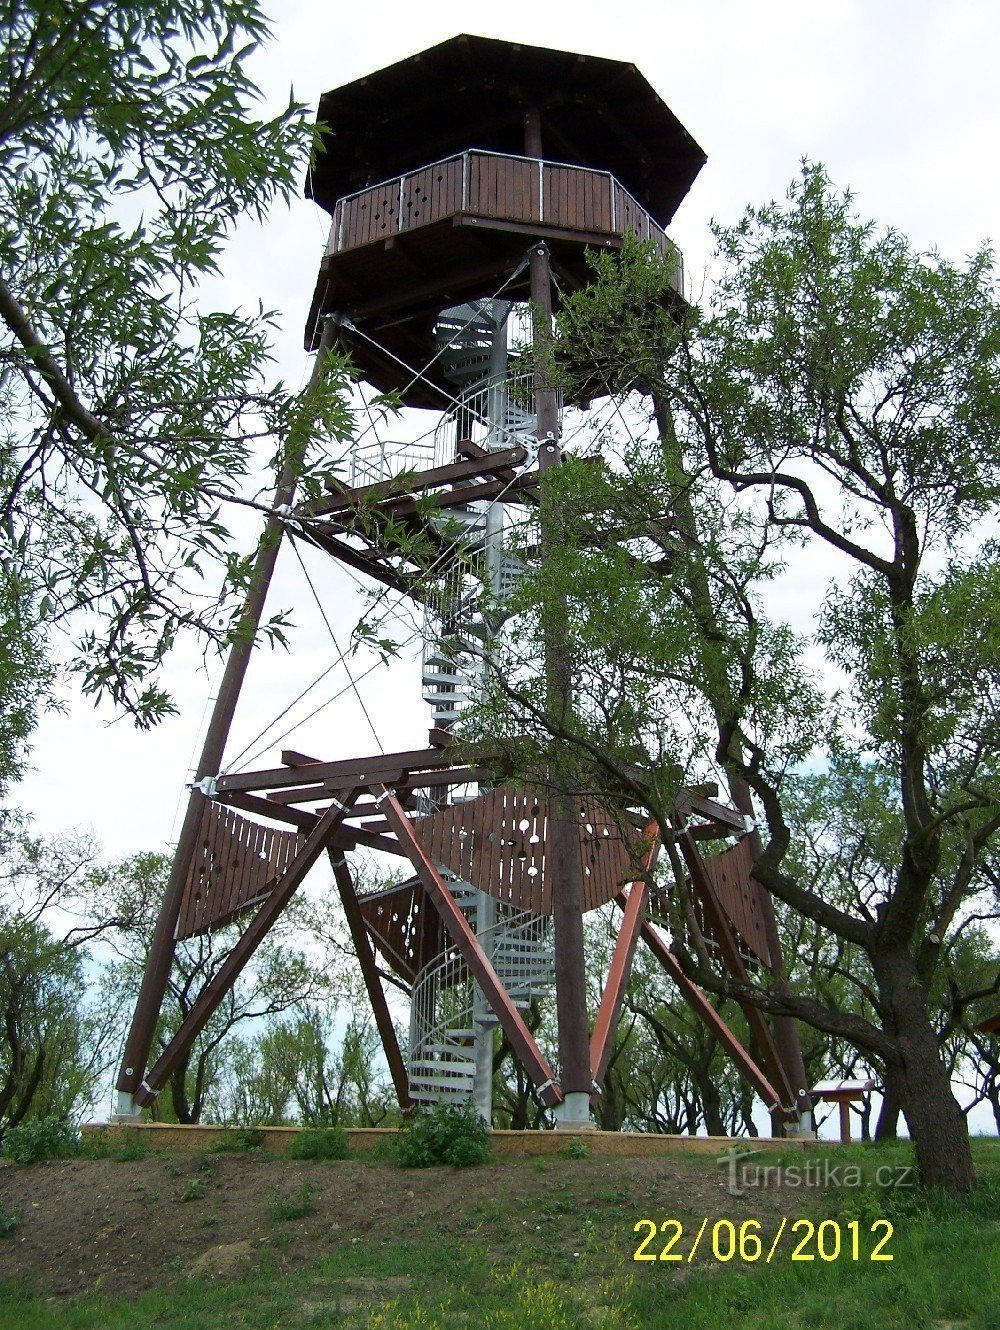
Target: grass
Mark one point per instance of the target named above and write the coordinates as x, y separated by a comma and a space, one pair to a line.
284, 1208
510, 1267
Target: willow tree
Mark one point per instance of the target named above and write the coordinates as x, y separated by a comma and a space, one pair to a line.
131, 143
831, 415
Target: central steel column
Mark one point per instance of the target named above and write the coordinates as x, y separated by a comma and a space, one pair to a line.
483, 1020
564, 870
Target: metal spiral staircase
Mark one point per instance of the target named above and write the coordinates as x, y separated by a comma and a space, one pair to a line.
451, 1025
491, 411
447, 1015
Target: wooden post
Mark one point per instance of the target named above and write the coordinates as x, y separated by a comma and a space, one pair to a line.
161, 950
369, 969
704, 1009
845, 1121
564, 867
256, 931
633, 905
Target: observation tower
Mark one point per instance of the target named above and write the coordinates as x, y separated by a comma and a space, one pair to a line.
464, 186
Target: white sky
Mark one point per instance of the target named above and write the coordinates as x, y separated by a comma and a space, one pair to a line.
898, 100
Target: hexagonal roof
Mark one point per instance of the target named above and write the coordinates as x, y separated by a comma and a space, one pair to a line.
472, 92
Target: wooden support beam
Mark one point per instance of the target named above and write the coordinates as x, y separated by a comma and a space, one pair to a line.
402, 782
234, 964
365, 769
633, 904
700, 1004
411, 483
519, 1036
369, 970
290, 757
402, 582
252, 803
466, 448
513, 491
712, 811
722, 931
156, 975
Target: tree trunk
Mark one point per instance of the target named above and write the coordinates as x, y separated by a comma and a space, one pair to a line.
886, 1129
711, 1105
937, 1124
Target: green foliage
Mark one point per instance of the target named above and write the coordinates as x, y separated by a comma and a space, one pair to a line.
50, 1042
9, 1220
319, 1143
132, 145
280, 977
121, 1143
285, 1208
292, 1068
240, 1140
40, 1138
575, 1149
446, 1134
193, 1190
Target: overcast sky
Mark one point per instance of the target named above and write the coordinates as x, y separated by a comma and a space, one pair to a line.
898, 100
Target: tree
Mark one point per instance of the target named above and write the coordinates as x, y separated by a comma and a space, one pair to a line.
280, 978
838, 396
129, 148
54, 1045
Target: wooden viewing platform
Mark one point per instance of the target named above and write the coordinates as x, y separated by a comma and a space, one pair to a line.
497, 189
451, 230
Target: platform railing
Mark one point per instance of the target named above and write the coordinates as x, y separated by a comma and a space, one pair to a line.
497, 186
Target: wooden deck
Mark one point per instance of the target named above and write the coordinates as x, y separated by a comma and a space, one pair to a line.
457, 230
493, 188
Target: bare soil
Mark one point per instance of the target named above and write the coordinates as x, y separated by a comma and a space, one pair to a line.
129, 1226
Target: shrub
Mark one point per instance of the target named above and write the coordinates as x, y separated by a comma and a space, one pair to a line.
575, 1149
319, 1143
40, 1138
121, 1143
9, 1220
240, 1140
292, 1207
448, 1134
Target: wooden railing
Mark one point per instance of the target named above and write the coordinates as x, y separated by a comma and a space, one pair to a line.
500, 188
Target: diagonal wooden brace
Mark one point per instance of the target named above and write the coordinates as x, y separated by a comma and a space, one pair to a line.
634, 904
703, 1008
729, 947
369, 969
519, 1036
256, 931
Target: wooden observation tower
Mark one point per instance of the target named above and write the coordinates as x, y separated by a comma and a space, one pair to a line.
461, 182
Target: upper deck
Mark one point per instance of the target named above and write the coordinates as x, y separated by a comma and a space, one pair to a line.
495, 189
457, 230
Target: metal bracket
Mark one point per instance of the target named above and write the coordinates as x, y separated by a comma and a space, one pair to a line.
207, 785
531, 444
